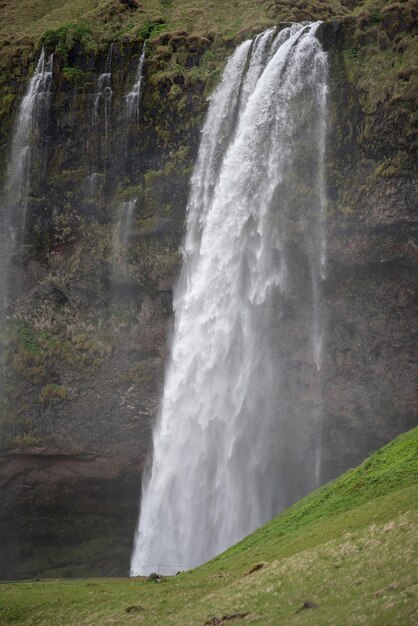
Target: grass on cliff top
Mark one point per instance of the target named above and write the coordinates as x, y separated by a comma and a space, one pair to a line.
27, 20
349, 548
382, 59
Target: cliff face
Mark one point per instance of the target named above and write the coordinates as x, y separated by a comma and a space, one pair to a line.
87, 331
85, 342
370, 382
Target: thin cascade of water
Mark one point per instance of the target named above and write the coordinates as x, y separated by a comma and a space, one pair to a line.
123, 225
27, 141
237, 438
133, 98
102, 105
318, 267
128, 143
98, 137
122, 232
123, 229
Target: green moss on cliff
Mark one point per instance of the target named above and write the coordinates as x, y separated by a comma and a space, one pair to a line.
63, 38
380, 60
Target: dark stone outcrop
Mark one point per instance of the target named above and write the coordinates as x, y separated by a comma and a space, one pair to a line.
56, 502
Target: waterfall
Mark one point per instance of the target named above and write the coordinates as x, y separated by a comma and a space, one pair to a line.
100, 126
133, 98
130, 145
27, 142
97, 145
238, 434
125, 222
104, 95
123, 225
121, 237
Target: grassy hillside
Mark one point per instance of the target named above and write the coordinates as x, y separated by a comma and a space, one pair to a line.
348, 548
113, 18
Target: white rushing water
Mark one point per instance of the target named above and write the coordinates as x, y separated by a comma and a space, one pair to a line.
31, 119
33, 110
238, 434
133, 98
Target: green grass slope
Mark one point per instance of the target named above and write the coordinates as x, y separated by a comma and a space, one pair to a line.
349, 548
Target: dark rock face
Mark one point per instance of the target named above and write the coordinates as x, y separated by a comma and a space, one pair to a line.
87, 338
85, 345
369, 379
57, 502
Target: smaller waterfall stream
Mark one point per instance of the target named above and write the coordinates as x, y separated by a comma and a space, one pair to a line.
33, 111
133, 98
98, 138
131, 122
238, 435
125, 222
122, 234
104, 95
27, 143
130, 127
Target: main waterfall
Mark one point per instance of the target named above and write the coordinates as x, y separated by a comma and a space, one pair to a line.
238, 435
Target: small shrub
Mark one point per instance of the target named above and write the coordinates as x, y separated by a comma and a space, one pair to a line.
152, 29
73, 74
351, 53
62, 39
25, 441
53, 393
